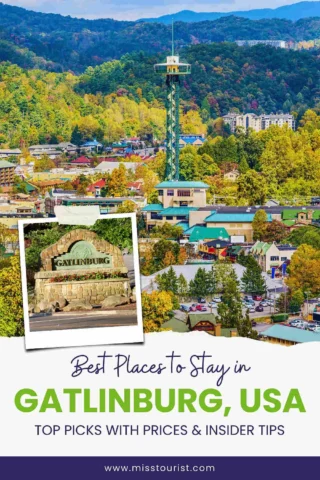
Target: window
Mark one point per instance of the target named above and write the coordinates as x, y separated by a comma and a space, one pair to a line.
183, 193
156, 216
170, 193
169, 218
239, 225
274, 259
160, 193
283, 259
181, 217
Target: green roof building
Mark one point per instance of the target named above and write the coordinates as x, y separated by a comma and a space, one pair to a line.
200, 234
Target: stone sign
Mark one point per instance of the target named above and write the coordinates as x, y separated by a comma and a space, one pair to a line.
82, 255
80, 252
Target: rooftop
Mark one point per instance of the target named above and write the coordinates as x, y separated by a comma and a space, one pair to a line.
297, 335
178, 211
5, 164
233, 217
181, 184
205, 233
152, 207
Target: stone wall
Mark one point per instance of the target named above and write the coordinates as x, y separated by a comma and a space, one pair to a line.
93, 292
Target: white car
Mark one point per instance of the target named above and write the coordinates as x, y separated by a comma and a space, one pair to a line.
216, 299
264, 304
252, 310
212, 304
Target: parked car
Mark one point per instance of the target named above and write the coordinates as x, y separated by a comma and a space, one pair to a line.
264, 304
252, 310
253, 323
259, 308
270, 302
201, 308
184, 308
193, 308
212, 304
248, 297
312, 326
257, 298
298, 323
201, 300
216, 299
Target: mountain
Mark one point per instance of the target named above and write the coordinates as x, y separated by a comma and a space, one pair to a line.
57, 43
290, 12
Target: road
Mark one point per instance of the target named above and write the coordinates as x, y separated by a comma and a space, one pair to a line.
90, 319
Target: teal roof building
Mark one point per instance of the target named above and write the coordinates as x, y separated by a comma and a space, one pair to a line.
199, 234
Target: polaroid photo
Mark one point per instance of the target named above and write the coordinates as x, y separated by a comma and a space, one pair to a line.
80, 284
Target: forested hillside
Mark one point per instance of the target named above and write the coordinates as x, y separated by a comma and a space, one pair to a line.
42, 107
58, 43
224, 76
125, 97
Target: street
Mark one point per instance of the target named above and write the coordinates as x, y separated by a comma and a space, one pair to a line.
90, 319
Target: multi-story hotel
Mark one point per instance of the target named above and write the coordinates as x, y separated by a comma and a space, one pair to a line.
6, 173
258, 122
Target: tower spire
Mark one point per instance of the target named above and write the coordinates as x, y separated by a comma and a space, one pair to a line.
173, 69
172, 40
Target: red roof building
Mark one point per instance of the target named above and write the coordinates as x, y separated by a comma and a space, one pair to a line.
97, 185
81, 161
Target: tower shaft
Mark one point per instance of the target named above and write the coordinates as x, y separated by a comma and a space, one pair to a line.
173, 128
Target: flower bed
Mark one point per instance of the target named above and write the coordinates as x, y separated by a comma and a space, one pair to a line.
88, 276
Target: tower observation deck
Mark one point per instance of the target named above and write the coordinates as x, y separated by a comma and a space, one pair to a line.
173, 69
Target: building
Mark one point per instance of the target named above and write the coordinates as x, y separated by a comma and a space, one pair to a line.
91, 146
234, 223
182, 194
231, 176
206, 322
258, 122
7, 173
270, 255
214, 249
81, 162
177, 199
135, 186
108, 167
205, 234
194, 140
106, 204
10, 152
295, 218
271, 43
287, 336
52, 150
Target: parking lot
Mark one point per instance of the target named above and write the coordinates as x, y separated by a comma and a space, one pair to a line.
267, 311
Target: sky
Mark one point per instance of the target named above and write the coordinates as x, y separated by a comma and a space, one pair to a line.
134, 9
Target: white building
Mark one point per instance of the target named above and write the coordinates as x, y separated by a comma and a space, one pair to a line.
271, 43
258, 122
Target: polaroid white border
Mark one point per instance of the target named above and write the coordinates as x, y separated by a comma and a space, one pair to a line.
82, 336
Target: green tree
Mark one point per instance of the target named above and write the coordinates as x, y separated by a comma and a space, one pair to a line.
252, 186
11, 312
182, 286
244, 327
230, 309
198, 287
168, 281
253, 280
259, 225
